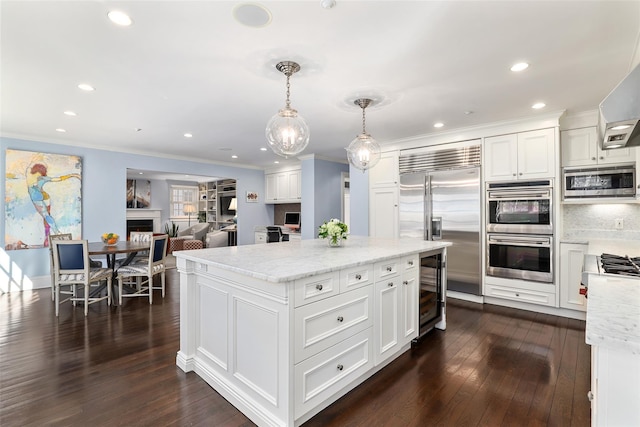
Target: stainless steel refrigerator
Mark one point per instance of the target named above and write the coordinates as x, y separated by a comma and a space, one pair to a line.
440, 199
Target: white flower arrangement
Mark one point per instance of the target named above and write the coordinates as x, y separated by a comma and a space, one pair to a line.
334, 229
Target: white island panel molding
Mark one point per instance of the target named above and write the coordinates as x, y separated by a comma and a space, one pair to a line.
283, 333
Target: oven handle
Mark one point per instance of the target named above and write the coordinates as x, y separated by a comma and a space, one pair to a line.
519, 195
520, 240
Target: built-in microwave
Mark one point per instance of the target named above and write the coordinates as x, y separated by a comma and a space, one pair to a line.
612, 181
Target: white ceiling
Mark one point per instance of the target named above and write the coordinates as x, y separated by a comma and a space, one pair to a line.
189, 66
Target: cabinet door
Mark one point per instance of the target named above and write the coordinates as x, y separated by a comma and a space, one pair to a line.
282, 186
386, 325
383, 212
271, 191
409, 300
618, 155
386, 172
501, 157
578, 147
536, 154
295, 185
571, 260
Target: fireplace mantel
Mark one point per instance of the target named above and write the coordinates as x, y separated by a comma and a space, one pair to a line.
154, 214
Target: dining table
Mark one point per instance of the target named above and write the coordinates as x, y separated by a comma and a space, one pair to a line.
110, 251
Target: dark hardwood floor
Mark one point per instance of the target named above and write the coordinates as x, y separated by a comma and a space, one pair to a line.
492, 367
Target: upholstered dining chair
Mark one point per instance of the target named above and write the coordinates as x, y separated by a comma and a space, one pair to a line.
154, 265
65, 236
141, 237
72, 268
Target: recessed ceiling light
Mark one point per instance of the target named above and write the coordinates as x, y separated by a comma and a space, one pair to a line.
276, 162
327, 4
468, 112
263, 149
86, 87
119, 18
538, 105
438, 125
140, 173
234, 157
137, 129
60, 130
187, 135
252, 15
70, 113
520, 66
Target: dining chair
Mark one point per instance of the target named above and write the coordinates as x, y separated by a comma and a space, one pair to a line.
63, 236
72, 268
141, 237
154, 265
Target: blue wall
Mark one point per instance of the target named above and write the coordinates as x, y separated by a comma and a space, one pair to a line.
359, 192
321, 193
104, 175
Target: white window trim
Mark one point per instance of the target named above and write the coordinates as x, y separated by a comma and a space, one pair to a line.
193, 198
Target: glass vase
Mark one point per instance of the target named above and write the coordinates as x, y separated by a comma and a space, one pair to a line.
334, 242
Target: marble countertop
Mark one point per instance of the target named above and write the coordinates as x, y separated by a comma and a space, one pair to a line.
611, 246
286, 261
613, 313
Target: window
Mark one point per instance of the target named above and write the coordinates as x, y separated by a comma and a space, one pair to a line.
179, 196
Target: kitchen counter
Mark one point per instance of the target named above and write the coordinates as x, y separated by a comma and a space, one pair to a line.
286, 261
283, 330
613, 313
611, 246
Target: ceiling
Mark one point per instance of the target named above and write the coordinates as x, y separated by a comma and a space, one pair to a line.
191, 67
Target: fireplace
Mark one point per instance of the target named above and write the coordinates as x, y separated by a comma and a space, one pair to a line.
139, 225
143, 220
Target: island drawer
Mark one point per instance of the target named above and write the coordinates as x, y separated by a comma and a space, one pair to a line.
321, 376
385, 269
322, 324
523, 295
410, 263
316, 288
352, 278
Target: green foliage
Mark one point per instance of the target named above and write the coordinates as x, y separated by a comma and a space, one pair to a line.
171, 231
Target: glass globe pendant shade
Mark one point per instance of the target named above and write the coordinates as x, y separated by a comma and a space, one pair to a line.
363, 152
287, 133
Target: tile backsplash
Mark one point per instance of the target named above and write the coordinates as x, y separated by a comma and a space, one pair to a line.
598, 221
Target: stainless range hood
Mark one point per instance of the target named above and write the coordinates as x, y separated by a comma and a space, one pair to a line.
619, 119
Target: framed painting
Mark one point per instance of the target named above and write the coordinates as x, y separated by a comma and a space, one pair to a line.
43, 196
252, 197
138, 193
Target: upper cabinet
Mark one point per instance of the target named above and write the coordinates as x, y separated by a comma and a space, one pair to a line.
283, 187
525, 155
580, 147
386, 173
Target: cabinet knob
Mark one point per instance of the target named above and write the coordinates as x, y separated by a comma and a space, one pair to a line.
406, 282
590, 396
358, 277
601, 157
390, 284
514, 174
520, 174
340, 318
340, 367
410, 263
389, 269
517, 295
319, 287
593, 158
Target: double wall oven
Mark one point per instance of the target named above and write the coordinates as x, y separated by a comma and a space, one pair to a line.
520, 230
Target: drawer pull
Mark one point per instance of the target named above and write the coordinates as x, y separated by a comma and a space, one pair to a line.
406, 282
389, 269
517, 295
358, 277
390, 284
340, 318
410, 263
319, 287
340, 367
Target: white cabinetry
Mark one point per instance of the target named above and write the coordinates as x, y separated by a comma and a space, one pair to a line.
615, 387
520, 291
260, 237
383, 197
525, 155
581, 147
396, 305
283, 187
571, 260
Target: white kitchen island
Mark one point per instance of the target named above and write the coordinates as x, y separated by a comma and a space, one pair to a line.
285, 329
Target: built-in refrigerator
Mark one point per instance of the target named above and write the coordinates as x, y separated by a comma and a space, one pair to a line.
440, 199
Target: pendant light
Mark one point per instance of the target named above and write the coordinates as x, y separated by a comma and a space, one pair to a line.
287, 132
364, 151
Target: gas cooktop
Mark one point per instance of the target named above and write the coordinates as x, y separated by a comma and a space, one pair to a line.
610, 265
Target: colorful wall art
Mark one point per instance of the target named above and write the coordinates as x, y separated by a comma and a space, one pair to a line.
43, 195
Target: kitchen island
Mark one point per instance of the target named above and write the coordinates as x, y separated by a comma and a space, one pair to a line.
283, 330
